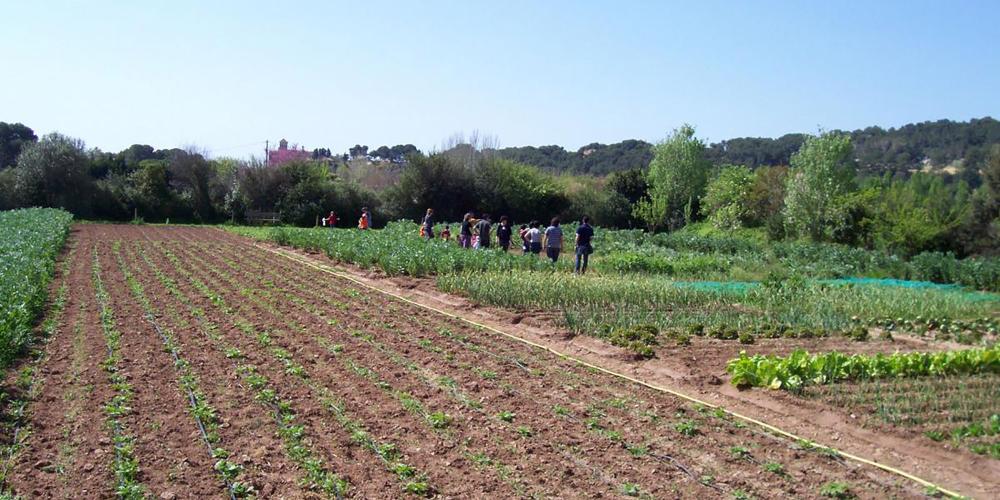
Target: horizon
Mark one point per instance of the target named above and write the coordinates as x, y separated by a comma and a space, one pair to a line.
225, 78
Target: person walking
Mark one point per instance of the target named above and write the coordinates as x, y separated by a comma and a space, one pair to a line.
429, 224
523, 233
584, 235
465, 232
483, 228
504, 233
553, 240
330, 221
365, 221
446, 233
534, 238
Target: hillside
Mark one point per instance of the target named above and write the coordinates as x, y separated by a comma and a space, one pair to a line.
911, 147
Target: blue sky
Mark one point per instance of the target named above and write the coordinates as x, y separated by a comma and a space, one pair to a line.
227, 75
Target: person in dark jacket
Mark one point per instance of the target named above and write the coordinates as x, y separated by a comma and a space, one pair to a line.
504, 233
584, 235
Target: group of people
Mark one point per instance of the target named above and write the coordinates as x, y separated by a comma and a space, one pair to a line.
478, 233
364, 222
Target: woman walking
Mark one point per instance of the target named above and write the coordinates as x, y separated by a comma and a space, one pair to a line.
429, 224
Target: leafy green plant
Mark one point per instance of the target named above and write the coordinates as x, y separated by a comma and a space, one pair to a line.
30, 240
630, 489
775, 468
835, 489
687, 427
801, 368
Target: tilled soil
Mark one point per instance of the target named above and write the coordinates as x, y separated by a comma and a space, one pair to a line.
385, 395
699, 370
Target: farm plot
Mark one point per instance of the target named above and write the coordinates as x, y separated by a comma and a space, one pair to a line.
956, 412
189, 363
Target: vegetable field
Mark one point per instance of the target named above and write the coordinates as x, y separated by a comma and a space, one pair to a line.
30, 240
191, 363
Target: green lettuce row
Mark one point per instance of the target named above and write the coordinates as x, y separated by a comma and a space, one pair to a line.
800, 368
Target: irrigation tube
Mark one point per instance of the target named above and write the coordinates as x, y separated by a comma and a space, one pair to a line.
769, 427
191, 401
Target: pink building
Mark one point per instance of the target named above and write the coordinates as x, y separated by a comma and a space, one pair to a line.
281, 155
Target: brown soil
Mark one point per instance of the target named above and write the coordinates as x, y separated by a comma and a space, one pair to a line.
389, 367
699, 370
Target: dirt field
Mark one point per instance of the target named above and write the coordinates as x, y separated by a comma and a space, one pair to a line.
314, 386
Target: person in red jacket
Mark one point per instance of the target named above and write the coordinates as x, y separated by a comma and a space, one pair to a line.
330, 220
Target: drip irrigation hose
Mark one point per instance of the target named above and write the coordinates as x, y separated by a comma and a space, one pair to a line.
275, 411
327, 269
192, 401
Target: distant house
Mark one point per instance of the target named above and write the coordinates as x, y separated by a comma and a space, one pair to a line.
281, 155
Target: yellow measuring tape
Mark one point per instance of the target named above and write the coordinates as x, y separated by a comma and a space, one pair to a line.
776, 430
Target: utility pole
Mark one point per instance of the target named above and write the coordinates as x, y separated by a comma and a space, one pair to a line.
267, 144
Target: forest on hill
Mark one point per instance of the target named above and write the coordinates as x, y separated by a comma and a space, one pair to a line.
939, 144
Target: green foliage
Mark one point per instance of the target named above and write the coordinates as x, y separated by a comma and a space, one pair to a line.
726, 197
30, 240
821, 171
918, 214
639, 339
801, 368
836, 489
432, 182
676, 178
517, 190
54, 172
395, 250
14, 137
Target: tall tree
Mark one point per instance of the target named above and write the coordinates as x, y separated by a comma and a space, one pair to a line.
726, 197
820, 171
677, 176
54, 172
13, 138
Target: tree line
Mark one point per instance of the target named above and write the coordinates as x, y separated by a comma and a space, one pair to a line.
895, 150
824, 192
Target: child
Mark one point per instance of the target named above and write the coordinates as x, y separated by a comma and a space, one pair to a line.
523, 233
446, 233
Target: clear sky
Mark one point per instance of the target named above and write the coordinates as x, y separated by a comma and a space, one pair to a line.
227, 75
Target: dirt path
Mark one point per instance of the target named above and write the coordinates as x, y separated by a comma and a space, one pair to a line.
700, 372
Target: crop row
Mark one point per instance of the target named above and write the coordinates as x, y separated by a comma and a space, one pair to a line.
205, 415
412, 480
30, 240
359, 304
126, 465
397, 250
435, 419
298, 445
16, 418
800, 368
405, 395
602, 305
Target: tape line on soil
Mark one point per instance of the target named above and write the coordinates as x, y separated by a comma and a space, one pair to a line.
765, 425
